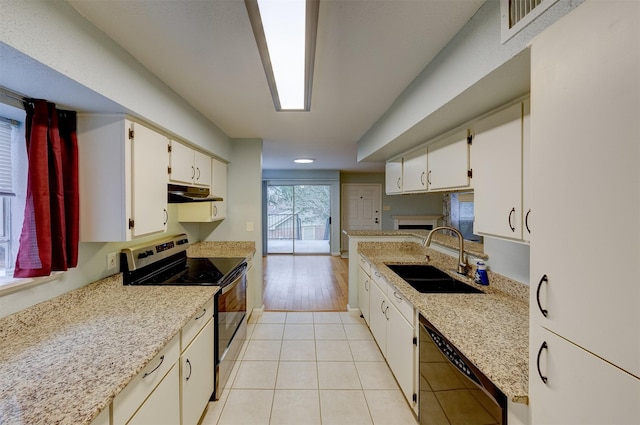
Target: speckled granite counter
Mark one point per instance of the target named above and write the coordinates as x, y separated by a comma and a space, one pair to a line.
222, 249
64, 360
491, 329
472, 248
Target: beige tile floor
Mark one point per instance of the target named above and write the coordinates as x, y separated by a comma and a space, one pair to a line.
308, 368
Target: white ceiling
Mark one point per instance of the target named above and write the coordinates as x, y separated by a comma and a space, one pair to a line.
368, 51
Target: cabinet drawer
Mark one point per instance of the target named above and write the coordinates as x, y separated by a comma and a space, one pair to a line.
197, 322
131, 398
163, 405
380, 281
364, 265
400, 302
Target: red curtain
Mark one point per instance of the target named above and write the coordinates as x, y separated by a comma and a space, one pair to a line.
49, 239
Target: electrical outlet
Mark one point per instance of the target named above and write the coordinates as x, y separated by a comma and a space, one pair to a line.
111, 261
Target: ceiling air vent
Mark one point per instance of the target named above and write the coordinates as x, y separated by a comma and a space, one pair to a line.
516, 14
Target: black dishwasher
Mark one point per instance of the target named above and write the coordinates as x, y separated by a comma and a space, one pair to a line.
452, 390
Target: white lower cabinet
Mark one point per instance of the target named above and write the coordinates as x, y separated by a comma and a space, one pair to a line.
104, 418
196, 380
394, 334
569, 385
378, 316
137, 393
364, 290
175, 387
400, 351
163, 405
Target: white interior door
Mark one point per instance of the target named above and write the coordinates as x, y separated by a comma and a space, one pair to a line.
361, 208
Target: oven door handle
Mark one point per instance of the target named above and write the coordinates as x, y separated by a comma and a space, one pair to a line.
232, 285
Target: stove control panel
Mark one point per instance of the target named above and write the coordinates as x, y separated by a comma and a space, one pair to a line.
145, 254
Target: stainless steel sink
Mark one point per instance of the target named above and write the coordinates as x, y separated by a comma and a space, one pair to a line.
425, 278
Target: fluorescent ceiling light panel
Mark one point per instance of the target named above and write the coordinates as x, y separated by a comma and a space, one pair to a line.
285, 33
284, 30
304, 160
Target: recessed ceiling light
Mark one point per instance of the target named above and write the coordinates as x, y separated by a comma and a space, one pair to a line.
304, 160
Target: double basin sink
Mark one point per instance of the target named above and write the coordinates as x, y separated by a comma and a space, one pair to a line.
425, 278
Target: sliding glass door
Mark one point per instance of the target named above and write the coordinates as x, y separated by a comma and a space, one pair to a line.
298, 219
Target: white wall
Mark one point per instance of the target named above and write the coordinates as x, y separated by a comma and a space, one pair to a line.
475, 52
49, 51
92, 266
244, 197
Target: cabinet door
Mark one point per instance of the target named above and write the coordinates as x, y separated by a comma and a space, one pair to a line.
497, 177
401, 352
393, 177
149, 181
580, 389
414, 172
196, 365
202, 164
364, 289
163, 405
526, 172
183, 169
219, 188
379, 306
448, 163
591, 296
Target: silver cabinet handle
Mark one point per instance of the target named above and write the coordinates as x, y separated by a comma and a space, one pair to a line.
197, 173
215, 210
398, 183
166, 217
366, 285
193, 172
398, 297
429, 178
422, 176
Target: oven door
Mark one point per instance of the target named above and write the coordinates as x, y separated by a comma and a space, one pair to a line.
231, 329
452, 390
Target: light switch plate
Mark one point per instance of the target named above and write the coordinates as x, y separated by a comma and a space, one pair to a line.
249, 226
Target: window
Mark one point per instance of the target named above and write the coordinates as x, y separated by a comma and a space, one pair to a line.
8, 132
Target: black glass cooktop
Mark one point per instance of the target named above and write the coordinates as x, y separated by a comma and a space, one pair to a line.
190, 271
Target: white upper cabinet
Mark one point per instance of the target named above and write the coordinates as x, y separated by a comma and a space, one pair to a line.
202, 212
448, 163
414, 171
393, 177
438, 166
189, 166
122, 179
498, 174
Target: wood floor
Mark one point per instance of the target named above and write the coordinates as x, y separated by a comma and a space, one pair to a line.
305, 283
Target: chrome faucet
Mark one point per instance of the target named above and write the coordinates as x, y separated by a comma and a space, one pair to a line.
463, 266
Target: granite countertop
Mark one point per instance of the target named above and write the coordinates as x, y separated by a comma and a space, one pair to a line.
222, 249
64, 360
475, 249
491, 329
